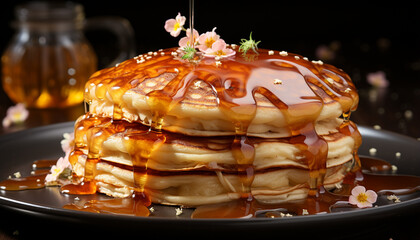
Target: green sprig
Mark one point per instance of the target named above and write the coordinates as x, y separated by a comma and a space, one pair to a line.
246, 45
189, 53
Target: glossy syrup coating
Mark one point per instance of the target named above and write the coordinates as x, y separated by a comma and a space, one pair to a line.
288, 81
297, 87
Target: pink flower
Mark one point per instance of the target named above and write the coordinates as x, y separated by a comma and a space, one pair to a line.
218, 48
66, 143
15, 114
206, 40
362, 198
58, 170
62, 169
185, 41
377, 79
174, 26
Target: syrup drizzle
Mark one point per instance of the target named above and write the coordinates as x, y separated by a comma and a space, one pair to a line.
323, 201
35, 181
373, 174
24, 183
235, 84
128, 206
305, 88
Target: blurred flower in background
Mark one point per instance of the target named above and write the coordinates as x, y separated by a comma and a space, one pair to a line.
15, 115
377, 79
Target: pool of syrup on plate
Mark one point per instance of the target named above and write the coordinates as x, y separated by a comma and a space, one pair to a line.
376, 175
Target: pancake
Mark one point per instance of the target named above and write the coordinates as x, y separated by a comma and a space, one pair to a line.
271, 127
195, 189
192, 171
274, 95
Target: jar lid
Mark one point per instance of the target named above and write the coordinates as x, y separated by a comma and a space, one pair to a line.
38, 12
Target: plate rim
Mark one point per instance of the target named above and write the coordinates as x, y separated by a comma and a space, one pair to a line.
71, 215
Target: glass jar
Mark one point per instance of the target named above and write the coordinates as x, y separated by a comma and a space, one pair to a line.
49, 60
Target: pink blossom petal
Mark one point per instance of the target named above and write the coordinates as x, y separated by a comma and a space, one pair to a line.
61, 163
364, 204
207, 39
66, 143
218, 45
15, 114
195, 32
176, 33
180, 19
50, 177
353, 200
169, 25
229, 52
55, 172
358, 190
378, 79
371, 196
6, 122
175, 26
362, 198
219, 49
183, 42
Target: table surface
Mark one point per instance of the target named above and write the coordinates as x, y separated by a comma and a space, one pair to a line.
392, 109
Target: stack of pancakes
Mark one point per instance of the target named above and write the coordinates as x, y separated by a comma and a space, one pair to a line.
271, 126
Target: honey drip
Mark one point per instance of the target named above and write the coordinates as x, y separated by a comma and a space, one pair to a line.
323, 201
140, 146
314, 149
372, 174
96, 135
303, 88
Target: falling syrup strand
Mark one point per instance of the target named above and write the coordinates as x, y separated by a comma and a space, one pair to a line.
191, 10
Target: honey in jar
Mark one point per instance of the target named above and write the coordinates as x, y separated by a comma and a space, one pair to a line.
49, 60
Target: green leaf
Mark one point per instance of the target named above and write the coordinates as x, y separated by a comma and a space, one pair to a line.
189, 53
247, 45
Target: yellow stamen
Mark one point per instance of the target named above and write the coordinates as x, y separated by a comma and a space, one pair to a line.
176, 26
362, 197
219, 53
209, 42
56, 172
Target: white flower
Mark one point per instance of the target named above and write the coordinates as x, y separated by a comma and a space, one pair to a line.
186, 41
378, 79
218, 49
15, 114
66, 143
58, 169
207, 39
175, 26
362, 198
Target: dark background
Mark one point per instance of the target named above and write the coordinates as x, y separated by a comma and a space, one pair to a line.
364, 38
360, 39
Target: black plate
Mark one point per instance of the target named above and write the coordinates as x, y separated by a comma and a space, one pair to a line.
18, 151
